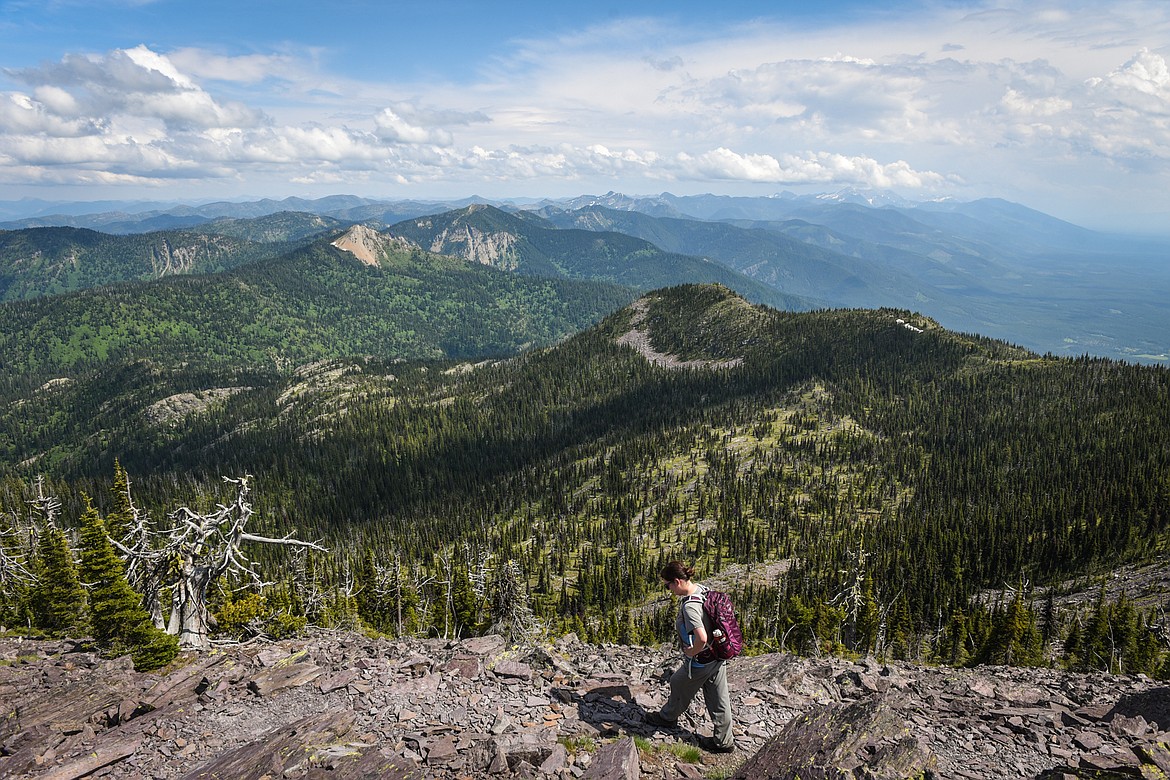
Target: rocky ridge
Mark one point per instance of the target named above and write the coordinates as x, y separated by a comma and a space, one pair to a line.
347, 706
169, 259
639, 340
368, 245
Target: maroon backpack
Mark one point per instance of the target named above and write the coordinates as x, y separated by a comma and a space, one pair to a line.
724, 639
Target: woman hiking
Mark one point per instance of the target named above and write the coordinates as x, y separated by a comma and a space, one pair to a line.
693, 675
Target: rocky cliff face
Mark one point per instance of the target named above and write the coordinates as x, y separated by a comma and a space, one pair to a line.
167, 259
469, 242
345, 706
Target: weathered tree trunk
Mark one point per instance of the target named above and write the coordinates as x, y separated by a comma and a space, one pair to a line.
207, 547
189, 616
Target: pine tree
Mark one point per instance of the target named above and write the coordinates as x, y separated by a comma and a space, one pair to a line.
901, 631
120, 624
57, 600
371, 605
464, 603
511, 614
120, 518
15, 577
1095, 648
868, 619
1014, 638
952, 645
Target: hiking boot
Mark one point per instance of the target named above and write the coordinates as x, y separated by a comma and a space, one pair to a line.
711, 746
656, 719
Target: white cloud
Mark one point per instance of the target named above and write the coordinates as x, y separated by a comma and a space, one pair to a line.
56, 100
818, 168
979, 97
138, 82
392, 128
245, 69
21, 114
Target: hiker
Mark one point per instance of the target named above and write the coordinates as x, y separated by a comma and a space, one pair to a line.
709, 676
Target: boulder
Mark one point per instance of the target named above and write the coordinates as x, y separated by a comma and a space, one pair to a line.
615, 761
866, 738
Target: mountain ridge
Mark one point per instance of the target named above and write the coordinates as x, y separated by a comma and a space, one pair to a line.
485, 233
988, 266
295, 305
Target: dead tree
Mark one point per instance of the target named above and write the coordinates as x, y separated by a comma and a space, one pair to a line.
307, 587
147, 566
14, 571
202, 548
44, 511
393, 584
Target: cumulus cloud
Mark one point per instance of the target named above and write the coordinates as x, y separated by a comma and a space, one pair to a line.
405, 123
134, 113
394, 128
1122, 116
22, 114
1005, 92
138, 82
813, 168
245, 69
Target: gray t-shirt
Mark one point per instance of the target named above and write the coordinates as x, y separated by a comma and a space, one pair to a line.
690, 617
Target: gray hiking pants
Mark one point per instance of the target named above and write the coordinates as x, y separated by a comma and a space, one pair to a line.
711, 678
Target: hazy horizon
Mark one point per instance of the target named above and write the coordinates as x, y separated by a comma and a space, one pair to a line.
1060, 106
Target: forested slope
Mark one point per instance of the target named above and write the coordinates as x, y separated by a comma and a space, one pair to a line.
529, 244
854, 477
37, 262
309, 304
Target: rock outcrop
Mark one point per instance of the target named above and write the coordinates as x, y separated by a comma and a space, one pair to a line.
346, 706
368, 245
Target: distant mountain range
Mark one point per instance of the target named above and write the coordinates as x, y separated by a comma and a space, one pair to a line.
527, 243
988, 266
319, 300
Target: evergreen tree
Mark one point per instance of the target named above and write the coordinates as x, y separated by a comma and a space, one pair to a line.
15, 576
511, 613
464, 603
1147, 650
901, 631
57, 600
1049, 627
868, 620
120, 624
1095, 648
371, 606
1014, 639
120, 519
952, 644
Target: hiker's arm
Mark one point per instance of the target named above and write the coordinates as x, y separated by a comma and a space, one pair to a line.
698, 642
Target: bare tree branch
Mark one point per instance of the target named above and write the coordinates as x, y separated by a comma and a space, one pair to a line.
197, 552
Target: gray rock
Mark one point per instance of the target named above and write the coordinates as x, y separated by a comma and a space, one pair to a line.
1088, 740
278, 678
834, 741
489, 645
513, 669
411, 698
615, 761
557, 760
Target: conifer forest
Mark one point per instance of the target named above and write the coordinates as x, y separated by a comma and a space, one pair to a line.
860, 481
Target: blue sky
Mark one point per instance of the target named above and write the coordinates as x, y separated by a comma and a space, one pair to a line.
1063, 106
